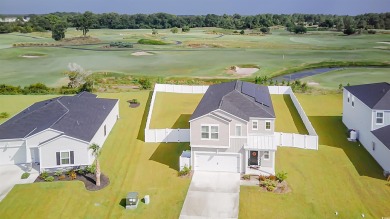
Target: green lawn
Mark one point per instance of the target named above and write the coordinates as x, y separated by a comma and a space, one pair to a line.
173, 110
353, 76
184, 60
340, 176
131, 164
287, 117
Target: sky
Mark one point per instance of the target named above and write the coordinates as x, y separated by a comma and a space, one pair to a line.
197, 7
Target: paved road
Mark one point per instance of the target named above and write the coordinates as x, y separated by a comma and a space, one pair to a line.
212, 195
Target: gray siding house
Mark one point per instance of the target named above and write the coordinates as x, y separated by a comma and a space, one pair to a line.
56, 133
366, 109
232, 130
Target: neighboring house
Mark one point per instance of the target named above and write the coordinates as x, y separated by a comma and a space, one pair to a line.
232, 130
366, 109
13, 19
56, 133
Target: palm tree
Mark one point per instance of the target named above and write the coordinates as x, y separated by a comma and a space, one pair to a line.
96, 152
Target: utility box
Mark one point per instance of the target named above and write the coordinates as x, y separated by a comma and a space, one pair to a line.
132, 200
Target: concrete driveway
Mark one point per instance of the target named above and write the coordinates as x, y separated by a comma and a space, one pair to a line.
10, 175
212, 195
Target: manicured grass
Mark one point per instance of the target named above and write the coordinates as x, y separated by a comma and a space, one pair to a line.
353, 76
275, 53
340, 176
287, 117
131, 165
173, 110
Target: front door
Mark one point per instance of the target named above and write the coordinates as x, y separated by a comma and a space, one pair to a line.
254, 158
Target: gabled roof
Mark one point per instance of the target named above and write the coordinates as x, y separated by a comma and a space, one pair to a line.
78, 116
375, 96
383, 134
241, 99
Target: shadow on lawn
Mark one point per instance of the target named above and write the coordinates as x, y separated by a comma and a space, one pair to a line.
332, 132
141, 131
169, 153
182, 122
295, 115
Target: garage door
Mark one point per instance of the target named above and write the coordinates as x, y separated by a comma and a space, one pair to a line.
12, 155
217, 162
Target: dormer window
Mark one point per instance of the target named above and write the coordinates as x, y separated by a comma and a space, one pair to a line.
379, 118
255, 125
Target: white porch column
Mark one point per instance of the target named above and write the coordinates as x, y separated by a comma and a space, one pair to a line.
273, 160
28, 152
246, 160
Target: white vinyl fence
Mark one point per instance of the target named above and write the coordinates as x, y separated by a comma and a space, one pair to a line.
295, 140
170, 135
183, 135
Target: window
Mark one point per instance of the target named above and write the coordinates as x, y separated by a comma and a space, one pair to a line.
379, 118
353, 101
105, 130
255, 125
266, 155
65, 157
349, 96
238, 130
373, 146
267, 125
209, 132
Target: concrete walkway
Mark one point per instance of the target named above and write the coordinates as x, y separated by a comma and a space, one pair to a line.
10, 175
212, 195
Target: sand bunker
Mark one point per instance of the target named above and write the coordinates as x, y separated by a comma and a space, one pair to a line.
313, 83
30, 56
243, 71
384, 42
141, 54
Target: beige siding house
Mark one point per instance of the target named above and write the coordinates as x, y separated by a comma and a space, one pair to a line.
232, 130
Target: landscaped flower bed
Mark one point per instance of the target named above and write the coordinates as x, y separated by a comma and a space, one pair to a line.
276, 184
85, 175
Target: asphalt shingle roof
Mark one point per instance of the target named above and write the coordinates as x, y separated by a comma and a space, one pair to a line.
383, 134
241, 99
78, 116
375, 96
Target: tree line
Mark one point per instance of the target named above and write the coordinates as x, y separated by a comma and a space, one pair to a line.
89, 20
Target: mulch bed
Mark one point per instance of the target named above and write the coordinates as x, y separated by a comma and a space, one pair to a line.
134, 105
88, 180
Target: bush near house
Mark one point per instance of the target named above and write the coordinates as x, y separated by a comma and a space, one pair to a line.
281, 176
44, 175
4, 115
49, 179
185, 171
25, 175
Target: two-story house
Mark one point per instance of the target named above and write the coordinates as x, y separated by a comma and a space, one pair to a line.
232, 130
366, 109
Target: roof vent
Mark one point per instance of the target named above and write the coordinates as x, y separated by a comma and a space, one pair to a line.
78, 122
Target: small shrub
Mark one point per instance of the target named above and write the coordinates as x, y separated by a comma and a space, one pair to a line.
62, 177
4, 115
272, 177
80, 171
49, 179
91, 169
175, 30
185, 29
145, 83
72, 174
134, 101
44, 175
262, 177
242, 32
371, 31
58, 173
25, 175
281, 176
246, 177
185, 171
269, 184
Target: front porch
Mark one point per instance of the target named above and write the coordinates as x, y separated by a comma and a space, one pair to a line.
260, 155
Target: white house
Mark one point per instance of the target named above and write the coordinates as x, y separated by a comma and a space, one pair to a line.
56, 133
232, 130
366, 109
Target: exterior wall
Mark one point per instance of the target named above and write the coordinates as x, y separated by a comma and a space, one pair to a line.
223, 131
358, 118
381, 154
234, 121
64, 143
269, 162
237, 142
110, 121
386, 119
12, 151
261, 127
41, 137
